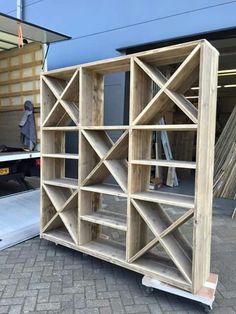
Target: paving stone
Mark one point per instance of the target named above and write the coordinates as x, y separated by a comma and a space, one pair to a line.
15, 309
97, 303
4, 309
155, 308
38, 277
134, 309
87, 311
9, 291
30, 303
10, 301
43, 296
117, 306
48, 306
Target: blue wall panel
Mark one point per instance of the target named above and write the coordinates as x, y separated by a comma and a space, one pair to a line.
90, 23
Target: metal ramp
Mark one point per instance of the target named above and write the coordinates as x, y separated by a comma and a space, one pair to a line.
19, 218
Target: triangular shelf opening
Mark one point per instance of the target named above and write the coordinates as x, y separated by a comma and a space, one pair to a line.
111, 145
116, 168
48, 102
57, 85
58, 195
49, 210
71, 92
60, 232
54, 223
70, 218
60, 83
60, 115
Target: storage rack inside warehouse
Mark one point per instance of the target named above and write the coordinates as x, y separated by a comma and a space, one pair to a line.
141, 233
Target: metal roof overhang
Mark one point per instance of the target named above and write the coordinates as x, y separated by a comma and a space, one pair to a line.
215, 35
31, 32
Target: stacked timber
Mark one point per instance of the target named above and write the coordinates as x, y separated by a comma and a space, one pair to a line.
225, 160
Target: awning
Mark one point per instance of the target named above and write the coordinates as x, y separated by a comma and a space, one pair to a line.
31, 32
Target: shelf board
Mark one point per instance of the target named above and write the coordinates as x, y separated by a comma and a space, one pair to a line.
61, 128
63, 182
107, 218
109, 189
179, 200
63, 156
57, 235
106, 127
166, 163
149, 265
149, 262
167, 127
105, 248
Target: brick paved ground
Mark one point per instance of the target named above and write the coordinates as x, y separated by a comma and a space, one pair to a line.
40, 277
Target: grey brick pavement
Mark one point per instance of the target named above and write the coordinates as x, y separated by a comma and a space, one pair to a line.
39, 277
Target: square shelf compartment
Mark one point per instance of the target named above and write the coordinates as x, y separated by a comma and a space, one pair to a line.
99, 84
100, 209
60, 144
61, 98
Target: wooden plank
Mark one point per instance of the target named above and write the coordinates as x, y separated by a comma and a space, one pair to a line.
106, 218
140, 91
70, 219
109, 189
61, 128
106, 127
20, 80
166, 163
63, 156
22, 93
63, 182
165, 198
205, 166
119, 171
166, 127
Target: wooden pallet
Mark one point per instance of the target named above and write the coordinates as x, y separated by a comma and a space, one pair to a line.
71, 215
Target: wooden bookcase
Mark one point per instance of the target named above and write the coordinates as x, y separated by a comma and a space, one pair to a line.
71, 212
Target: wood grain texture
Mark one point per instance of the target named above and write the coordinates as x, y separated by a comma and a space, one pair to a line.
71, 209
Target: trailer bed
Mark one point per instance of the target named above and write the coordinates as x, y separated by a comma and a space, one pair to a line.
10, 156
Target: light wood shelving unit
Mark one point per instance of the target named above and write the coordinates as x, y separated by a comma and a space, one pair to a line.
71, 213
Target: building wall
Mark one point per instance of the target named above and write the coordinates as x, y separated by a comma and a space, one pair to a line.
100, 27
